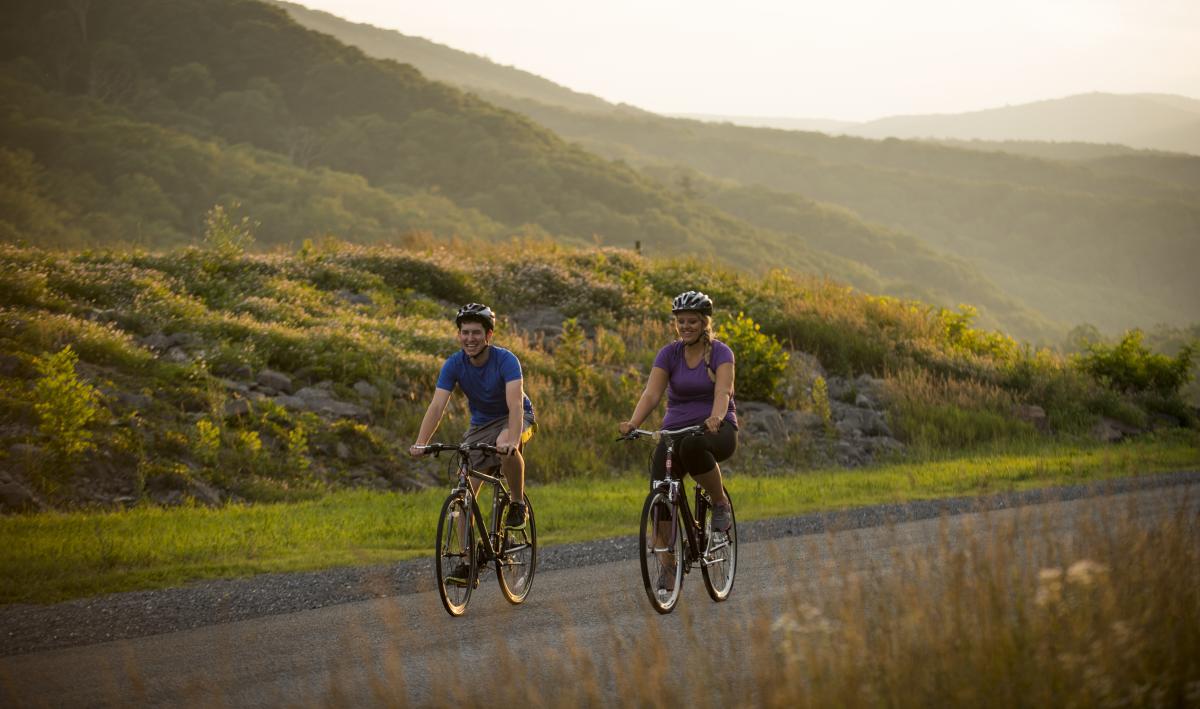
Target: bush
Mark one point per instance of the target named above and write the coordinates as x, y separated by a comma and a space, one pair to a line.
761, 360
65, 405
1130, 367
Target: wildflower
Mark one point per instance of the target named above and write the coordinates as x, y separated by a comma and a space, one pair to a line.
1085, 572
1050, 587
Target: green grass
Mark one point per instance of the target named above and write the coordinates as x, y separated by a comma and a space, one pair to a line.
56, 556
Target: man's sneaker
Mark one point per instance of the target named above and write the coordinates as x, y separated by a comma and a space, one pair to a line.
459, 576
666, 579
516, 515
722, 516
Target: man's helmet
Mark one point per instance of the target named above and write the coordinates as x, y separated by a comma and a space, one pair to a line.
694, 301
478, 312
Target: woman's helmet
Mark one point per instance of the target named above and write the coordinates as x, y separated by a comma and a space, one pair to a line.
478, 312
693, 301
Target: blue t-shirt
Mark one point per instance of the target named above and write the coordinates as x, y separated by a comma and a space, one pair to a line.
690, 391
484, 386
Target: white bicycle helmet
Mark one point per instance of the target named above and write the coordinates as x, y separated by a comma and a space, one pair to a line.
693, 301
476, 311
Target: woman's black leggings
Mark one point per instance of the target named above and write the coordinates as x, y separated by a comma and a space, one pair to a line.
696, 455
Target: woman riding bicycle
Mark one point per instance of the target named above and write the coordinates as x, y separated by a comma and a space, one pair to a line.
696, 372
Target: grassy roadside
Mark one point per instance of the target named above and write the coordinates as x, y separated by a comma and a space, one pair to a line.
57, 556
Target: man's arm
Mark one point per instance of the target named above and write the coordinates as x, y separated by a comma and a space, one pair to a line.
433, 417
514, 396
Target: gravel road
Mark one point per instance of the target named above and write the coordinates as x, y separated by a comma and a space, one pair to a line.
26, 628
275, 641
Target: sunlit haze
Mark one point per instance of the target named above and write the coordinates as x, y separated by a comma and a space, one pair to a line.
853, 60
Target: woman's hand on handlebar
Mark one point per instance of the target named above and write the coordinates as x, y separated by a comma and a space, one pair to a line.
712, 424
625, 427
416, 450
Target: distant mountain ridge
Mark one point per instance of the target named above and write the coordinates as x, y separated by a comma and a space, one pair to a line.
1146, 121
442, 63
1074, 231
1153, 121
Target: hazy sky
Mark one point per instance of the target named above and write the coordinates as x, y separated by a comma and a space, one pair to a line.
842, 59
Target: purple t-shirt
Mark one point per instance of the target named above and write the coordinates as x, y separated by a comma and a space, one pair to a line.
689, 390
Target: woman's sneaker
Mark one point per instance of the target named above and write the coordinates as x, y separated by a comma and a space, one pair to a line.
516, 515
722, 516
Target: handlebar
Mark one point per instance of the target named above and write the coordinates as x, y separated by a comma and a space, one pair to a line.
436, 448
663, 433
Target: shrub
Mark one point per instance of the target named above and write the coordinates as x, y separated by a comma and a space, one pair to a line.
761, 360
65, 405
1131, 368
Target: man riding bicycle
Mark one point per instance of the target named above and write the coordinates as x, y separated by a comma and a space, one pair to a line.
501, 413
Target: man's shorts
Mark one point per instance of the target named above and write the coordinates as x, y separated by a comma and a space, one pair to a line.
488, 433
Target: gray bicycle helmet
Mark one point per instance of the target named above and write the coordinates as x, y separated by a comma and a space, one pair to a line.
478, 312
693, 301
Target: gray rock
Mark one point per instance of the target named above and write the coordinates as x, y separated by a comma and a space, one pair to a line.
342, 450
863, 401
236, 408
137, 402
15, 367
366, 390
276, 380
869, 422
544, 321
803, 421
759, 418
242, 373
353, 298
1109, 430
313, 394
837, 387
1032, 414
291, 403
25, 451
338, 409
14, 497
177, 355
156, 341
230, 385
204, 493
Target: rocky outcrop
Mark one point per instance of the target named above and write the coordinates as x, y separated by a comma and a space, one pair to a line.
855, 435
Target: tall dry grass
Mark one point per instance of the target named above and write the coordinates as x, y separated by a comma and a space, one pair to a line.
1015, 610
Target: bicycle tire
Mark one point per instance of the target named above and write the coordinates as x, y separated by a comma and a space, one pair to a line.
653, 560
453, 547
719, 577
515, 569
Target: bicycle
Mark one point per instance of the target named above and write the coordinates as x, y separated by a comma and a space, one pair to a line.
671, 540
513, 551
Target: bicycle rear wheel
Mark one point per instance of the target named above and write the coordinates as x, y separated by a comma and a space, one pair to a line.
517, 559
455, 550
719, 561
661, 551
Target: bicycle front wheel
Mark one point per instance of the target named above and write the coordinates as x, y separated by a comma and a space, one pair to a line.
454, 556
719, 562
661, 551
517, 559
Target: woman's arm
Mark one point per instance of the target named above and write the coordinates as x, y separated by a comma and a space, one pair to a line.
656, 385
722, 392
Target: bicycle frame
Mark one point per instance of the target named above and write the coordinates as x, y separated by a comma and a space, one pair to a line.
491, 540
676, 492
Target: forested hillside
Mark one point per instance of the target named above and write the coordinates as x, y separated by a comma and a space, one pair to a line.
1077, 235
149, 112
115, 139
